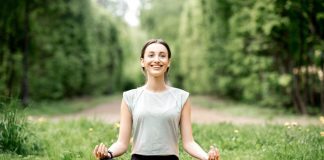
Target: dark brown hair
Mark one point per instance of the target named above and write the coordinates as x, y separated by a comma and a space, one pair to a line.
159, 41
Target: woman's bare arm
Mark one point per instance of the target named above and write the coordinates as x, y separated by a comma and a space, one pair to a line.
121, 145
188, 141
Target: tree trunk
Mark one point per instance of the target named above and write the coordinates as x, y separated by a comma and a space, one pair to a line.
24, 84
302, 100
11, 75
322, 85
298, 100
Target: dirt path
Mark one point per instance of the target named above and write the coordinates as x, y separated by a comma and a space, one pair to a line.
109, 113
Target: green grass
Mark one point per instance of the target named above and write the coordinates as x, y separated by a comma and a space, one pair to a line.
70, 140
51, 108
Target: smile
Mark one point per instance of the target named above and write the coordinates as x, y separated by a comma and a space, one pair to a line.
156, 66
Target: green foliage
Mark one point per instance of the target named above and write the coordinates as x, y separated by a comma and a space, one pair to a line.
16, 134
255, 51
267, 52
81, 54
160, 18
75, 49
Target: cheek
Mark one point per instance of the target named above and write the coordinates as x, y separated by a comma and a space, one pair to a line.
167, 62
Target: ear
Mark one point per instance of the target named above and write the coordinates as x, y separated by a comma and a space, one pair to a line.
169, 63
142, 62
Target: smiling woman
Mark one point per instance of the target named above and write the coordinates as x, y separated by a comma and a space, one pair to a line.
155, 114
158, 57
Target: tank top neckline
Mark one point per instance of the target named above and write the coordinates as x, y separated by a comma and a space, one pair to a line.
166, 90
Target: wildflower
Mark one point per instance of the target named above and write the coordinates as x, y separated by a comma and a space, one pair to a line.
322, 134
90, 129
41, 119
30, 118
287, 124
131, 140
117, 125
236, 131
322, 119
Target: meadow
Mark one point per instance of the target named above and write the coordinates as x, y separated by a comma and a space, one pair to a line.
75, 139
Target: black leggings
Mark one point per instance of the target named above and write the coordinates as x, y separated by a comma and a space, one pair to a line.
142, 157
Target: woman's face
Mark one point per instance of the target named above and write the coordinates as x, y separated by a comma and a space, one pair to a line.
155, 60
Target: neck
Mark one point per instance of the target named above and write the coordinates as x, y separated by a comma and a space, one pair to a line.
155, 84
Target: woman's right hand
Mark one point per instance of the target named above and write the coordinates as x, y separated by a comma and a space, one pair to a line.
101, 151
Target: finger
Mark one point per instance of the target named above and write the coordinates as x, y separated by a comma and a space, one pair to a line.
95, 151
100, 150
104, 150
217, 154
210, 155
217, 151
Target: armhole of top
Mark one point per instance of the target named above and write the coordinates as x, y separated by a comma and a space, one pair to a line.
184, 98
131, 97
126, 99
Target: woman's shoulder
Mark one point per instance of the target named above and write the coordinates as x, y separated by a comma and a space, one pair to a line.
180, 95
130, 96
178, 90
133, 91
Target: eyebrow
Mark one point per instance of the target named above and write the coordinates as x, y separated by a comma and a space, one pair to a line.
154, 52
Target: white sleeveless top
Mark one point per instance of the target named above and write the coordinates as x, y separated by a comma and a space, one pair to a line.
156, 120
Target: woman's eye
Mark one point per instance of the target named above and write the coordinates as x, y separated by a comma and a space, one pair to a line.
163, 56
150, 55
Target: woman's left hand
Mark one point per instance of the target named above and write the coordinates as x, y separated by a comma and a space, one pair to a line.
213, 153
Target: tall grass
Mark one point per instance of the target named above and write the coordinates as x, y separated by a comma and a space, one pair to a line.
16, 134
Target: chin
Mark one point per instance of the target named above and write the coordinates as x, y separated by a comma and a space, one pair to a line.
156, 75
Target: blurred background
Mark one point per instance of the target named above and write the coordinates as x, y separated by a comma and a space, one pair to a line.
264, 52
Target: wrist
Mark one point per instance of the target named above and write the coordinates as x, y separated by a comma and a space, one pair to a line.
110, 154
205, 157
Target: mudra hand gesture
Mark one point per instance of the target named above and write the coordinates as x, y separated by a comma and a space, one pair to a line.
213, 153
101, 152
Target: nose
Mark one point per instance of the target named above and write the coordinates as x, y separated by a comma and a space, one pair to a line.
156, 58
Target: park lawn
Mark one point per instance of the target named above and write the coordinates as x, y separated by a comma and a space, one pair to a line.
70, 140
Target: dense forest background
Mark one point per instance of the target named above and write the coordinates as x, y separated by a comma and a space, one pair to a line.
268, 52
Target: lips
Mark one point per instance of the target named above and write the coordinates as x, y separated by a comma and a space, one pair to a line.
156, 66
